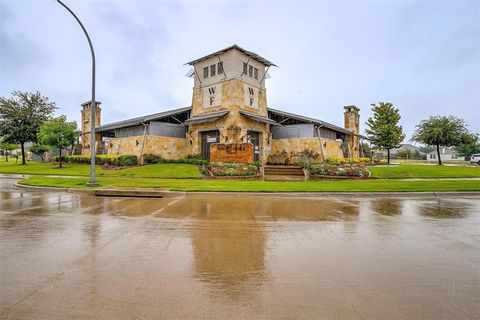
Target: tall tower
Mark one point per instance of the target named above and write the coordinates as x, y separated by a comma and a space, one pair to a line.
352, 123
229, 100
86, 125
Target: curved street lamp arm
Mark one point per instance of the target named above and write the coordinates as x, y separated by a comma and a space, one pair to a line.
93, 102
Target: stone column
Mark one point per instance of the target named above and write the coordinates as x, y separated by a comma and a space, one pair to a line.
85, 125
352, 123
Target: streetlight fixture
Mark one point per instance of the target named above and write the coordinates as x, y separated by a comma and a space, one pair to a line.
93, 106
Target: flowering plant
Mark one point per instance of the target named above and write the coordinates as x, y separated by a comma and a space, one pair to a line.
343, 170
232, 169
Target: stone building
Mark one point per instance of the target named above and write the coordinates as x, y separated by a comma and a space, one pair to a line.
228, 120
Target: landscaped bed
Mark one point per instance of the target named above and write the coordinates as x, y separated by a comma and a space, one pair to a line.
342, 171
230, 170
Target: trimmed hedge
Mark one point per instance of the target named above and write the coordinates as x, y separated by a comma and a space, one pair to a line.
191, 159
104, 159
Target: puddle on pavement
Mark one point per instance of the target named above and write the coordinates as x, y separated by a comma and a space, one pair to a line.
237, 256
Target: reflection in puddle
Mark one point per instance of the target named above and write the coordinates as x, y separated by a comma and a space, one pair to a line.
238, 257
445, 209
387, 207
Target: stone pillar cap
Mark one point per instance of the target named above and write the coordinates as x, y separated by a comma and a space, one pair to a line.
352, 106
89, 102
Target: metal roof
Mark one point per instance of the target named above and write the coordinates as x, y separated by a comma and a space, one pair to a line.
248, 53
311, 120
208, 117
257, 117
140, 120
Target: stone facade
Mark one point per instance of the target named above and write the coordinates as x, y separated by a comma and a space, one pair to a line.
326, 148
231, 80
86, 125
352, 122
233, 127
166, 147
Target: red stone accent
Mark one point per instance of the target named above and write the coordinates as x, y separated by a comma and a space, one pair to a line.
231, 152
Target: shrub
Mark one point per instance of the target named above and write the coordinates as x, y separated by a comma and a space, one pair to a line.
232, 169
152, 159
346, 170
127, 161
196, 156
191, 159
103, 159
278, 157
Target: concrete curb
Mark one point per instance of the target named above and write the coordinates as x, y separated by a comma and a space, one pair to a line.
109, 192
155, 193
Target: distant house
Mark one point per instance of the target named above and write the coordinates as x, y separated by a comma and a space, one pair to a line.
406, 146
446, 154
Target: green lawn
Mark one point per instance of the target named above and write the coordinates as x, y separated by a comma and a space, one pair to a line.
167, 170
424, 171
261, 186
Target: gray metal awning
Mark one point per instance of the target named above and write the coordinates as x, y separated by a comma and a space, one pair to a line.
209, 117
310, 120
257, 117
139, 120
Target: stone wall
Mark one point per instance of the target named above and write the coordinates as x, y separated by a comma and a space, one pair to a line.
233, 126
328, 148
166, 147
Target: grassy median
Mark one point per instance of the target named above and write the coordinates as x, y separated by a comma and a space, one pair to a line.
167, 170
185, 171
405, 171
374, 185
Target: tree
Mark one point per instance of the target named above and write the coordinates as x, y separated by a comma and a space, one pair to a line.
39, 150
22, 115
442, 131
6, 147
366, 149
469, 147
383, 129
405, 154
58, 134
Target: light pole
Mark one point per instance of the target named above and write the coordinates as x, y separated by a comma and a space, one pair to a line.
93, 104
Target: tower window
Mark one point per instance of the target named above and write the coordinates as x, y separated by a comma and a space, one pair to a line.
255, 73
220, 67
205, 72
245, 68
250, 71
213, 70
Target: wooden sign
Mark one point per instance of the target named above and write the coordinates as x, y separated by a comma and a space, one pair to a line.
231, 152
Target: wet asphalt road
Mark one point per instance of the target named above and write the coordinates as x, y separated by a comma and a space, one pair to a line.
67, 256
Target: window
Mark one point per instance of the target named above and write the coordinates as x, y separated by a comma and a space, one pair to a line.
213, 70
245, 68
220, 67
205, 72
250, 71
255, 73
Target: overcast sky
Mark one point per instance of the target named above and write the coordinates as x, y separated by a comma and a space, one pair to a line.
424, 57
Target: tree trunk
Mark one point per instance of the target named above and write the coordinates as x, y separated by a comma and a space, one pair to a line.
6, 155
23, 152
60, 158
388, 156
438, 154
